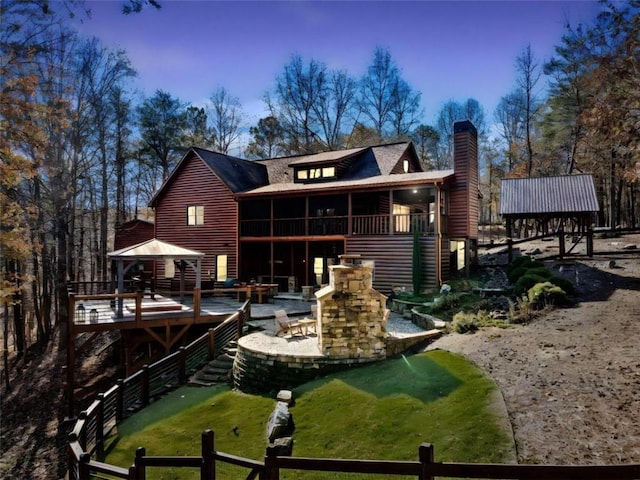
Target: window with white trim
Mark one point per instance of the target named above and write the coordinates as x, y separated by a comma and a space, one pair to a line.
195, 215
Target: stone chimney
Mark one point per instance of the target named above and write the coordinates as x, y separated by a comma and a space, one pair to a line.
351, 314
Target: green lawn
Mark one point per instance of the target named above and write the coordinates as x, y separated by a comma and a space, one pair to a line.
381, 411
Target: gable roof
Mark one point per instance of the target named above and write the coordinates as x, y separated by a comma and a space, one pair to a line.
237, 174
560, 194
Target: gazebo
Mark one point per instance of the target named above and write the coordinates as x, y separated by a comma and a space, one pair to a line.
554, 203
156, 250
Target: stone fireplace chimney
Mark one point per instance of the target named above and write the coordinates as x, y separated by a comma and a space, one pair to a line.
351, 314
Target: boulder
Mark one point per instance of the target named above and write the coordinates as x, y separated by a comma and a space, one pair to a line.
280, 423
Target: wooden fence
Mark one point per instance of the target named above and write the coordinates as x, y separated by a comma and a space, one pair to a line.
98, 422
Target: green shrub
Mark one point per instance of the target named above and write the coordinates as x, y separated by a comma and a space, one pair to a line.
546, 293
525, 261
564, 283
527, 281
445, 302
544, 272
464, 322
515, 274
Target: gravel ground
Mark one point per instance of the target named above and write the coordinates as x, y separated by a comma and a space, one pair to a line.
570, 377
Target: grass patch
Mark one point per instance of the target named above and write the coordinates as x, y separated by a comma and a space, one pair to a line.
381, 411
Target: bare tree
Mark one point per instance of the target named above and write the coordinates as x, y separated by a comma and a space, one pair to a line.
528, 75
510, 118
226, 117
334, 108
298, 92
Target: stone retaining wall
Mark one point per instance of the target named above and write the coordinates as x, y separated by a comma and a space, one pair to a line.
259, 372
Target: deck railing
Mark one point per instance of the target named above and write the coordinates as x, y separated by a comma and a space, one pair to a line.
129, 395
397, 224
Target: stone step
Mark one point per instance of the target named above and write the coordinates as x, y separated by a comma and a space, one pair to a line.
215, 370
206, 377
196, 382
226, 364
225, 357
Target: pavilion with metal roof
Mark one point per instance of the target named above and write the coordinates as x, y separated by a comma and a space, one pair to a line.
557, 204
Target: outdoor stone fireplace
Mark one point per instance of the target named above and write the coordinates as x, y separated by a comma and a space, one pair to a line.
351, 330
351, 314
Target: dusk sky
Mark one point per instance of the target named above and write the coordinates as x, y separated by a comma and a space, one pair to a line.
445, 49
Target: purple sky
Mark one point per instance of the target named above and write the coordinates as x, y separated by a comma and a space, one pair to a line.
445, 49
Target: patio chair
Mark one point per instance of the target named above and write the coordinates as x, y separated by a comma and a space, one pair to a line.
286, 325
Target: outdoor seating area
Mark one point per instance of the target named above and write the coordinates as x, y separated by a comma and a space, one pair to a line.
285, 325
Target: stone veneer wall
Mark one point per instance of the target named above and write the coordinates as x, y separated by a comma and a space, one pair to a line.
351, 314
261, 372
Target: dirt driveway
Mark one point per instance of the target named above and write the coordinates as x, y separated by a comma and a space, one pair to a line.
571, 377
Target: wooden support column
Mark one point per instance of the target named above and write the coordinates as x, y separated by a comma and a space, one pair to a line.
589, 242
561, 246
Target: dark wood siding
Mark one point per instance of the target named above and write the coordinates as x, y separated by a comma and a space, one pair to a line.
393, 260
196, 184
414, 164
132, 233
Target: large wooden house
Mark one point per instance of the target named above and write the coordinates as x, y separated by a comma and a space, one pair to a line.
286, 220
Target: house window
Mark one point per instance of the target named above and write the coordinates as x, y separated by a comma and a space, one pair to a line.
405, 166
401, 218
316, 173
328, 172
221, 268
195, 215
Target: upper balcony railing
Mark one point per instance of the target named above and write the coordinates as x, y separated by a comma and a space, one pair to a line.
385, 224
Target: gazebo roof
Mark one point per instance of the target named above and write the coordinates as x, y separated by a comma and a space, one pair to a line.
155, 249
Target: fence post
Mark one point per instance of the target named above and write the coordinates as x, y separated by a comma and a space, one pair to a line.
120, 400
145, 385
138, 308
271, 470
196, 304
133, 473
426, 455
141, 471
84, 471
72, 463
208, 471
100, 426
82, 440
182, 365
212, 344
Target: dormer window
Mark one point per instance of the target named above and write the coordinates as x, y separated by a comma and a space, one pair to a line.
304, 174
405, 166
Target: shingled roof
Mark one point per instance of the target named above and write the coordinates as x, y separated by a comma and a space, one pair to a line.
239, 175
567, 194
363, 162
